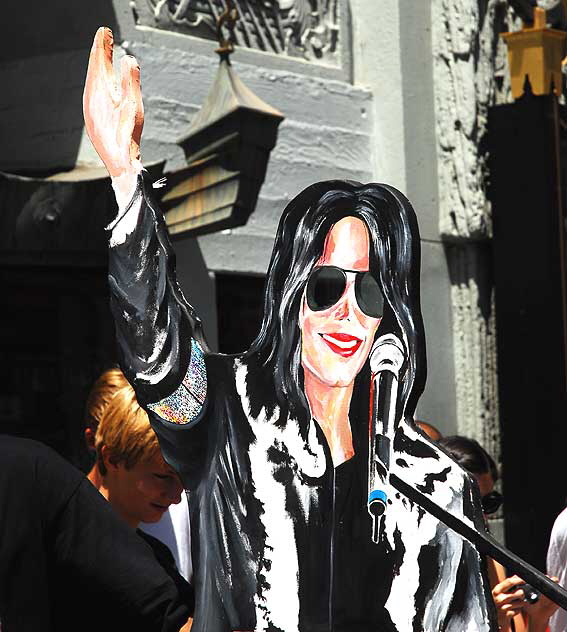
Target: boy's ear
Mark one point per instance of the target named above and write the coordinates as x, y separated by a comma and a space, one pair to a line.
90, 438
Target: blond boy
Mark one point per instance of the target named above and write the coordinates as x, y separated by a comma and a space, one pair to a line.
135, 479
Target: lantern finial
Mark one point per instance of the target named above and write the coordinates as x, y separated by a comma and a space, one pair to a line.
228, 20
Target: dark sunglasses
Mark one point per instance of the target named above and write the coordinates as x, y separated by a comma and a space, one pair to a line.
327, 284
492, 502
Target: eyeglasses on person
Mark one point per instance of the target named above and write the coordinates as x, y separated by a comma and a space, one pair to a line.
492, 502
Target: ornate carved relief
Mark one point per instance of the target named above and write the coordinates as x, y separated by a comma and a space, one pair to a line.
307, 29
470, 74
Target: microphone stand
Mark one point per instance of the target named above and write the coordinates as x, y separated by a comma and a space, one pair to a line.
386, 360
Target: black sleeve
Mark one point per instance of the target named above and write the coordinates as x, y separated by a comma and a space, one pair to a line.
155, 325
112, 572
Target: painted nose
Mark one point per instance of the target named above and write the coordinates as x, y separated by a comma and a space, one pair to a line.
344, 306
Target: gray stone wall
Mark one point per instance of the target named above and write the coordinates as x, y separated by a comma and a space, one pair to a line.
43, 56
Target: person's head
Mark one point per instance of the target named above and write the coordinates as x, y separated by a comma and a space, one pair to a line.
102, 391
472, 457
429, 429
135, 479
355, 229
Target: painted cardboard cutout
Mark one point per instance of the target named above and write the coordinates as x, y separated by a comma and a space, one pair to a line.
273, 444
289, 449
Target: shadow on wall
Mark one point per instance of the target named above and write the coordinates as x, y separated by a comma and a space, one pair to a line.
43, 60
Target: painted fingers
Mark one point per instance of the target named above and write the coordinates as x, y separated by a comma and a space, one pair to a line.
131, 98
100, 70
114, 116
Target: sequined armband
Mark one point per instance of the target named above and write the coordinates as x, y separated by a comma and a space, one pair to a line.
183, 406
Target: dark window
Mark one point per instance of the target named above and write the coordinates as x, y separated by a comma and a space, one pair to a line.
55, 339
240, 304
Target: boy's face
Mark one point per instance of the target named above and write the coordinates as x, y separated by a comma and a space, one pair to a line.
144, 492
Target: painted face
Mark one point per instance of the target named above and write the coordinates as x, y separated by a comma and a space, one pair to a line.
144, 492
336, 341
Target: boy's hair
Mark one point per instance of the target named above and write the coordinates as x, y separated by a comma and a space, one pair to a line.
126, 432
102, 392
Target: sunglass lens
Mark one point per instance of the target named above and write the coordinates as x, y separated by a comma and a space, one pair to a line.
326, 286
369, 296
491, 502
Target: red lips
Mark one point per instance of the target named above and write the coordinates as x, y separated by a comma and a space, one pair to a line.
343, 344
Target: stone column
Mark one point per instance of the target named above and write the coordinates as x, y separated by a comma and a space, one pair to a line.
470, 75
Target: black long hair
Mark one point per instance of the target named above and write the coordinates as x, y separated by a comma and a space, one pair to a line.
274, 358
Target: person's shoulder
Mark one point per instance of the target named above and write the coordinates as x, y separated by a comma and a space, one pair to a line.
560, 525
28, 460
557, 549
19, 453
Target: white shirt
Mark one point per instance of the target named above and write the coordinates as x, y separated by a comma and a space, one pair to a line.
557, 566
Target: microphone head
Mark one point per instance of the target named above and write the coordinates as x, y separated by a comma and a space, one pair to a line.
387, 354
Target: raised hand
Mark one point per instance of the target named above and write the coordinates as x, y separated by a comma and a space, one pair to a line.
114, 115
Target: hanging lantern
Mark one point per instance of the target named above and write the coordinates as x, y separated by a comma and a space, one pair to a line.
227, 149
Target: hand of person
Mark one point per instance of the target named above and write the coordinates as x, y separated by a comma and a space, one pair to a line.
509, 602
540, 612
114, 116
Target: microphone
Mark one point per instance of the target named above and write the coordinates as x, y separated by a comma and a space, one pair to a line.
387, 358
